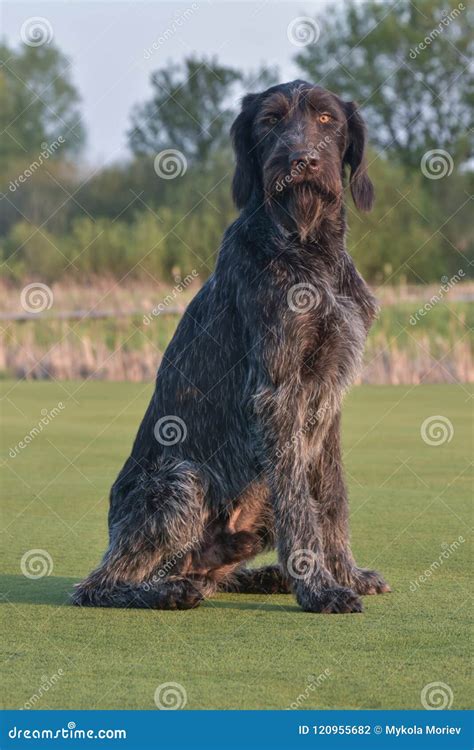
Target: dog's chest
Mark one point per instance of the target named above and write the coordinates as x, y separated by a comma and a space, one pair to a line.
319, 325
330, 340
322, 325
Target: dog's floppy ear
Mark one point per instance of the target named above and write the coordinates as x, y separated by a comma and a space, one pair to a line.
246, 171
361, 187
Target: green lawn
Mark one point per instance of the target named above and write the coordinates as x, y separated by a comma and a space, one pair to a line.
409, 500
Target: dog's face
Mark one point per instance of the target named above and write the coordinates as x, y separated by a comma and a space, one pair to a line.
292, 143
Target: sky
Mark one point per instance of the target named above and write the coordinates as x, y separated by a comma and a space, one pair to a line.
114, 46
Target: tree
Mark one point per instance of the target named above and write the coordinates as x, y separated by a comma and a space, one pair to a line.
407, 66
191, 108
396, 241
38, 105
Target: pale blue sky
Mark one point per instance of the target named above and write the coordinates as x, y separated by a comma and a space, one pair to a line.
106, 42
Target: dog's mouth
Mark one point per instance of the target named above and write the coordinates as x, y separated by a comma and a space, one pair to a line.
311, 184
304, 201
322, 183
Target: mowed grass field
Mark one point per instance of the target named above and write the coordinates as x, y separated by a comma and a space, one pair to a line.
410, 503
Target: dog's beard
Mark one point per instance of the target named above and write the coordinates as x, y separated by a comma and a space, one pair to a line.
305, 205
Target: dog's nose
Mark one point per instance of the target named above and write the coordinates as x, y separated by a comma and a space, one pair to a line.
304, 160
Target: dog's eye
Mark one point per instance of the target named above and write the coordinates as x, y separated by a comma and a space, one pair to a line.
325, 118
272, 120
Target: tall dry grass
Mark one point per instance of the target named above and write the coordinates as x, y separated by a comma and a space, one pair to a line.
434, 349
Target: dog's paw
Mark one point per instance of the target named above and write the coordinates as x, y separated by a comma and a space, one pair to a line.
366, 582
335, 600
190, 600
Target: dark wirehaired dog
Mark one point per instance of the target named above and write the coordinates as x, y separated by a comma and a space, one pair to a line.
239, 449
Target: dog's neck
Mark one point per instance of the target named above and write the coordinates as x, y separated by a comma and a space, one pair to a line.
326, 237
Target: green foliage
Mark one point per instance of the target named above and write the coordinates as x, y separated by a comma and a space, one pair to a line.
414, 98
407, 67
29, 251
41, 130
192, 107
152, 244
39, 194
38, 103
189, 110
125, 220
396, 241
119, 189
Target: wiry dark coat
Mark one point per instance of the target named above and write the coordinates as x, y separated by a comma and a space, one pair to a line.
239, 449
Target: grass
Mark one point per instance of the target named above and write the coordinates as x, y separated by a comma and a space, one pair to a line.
409, 500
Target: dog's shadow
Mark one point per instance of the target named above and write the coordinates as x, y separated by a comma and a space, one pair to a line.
244, 603
18, 589
56, 590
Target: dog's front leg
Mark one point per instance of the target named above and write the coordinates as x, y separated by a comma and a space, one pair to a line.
298, 534
328, 488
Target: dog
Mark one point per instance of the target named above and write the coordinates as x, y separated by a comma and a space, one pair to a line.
239, 450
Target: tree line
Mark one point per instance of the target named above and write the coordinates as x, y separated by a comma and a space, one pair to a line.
410, 76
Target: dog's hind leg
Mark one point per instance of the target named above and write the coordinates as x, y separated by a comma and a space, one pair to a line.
153, 534
171, 593
329, 490
221, 553
246, 531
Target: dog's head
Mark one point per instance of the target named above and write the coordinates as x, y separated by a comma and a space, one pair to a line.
292, 144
